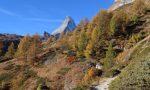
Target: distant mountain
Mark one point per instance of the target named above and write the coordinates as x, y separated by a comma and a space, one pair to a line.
67, 25
119, 3
46, 35
7, 39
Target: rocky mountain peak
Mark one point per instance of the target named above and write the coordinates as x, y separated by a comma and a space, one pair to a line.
67, 25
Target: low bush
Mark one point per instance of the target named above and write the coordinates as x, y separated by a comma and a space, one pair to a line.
63, 71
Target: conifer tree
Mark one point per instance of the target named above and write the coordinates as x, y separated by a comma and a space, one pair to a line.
104, 23
82, 43
49, 41
109, 60
35, 47
89, 50
11, 51
23, 47
118, 23
83, 25
74, 40
91, 26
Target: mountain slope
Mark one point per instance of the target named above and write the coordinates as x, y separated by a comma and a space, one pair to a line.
119, 3
136, 75
67, 25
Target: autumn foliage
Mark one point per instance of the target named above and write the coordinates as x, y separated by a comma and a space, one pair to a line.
70, 59
89, 75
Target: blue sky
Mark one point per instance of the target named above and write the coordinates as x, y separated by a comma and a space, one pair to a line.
30, 16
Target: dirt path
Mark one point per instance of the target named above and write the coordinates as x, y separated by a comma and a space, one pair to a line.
104, 84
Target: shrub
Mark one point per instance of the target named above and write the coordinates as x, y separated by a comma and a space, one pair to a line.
91, 73
63, 71
70, 59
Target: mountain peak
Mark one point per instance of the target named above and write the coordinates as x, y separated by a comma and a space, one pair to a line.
67, 25
119, 3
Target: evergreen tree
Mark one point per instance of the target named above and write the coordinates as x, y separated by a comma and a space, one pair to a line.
11, 51
109, 60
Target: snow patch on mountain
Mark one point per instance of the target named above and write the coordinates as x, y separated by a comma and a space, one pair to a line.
67, 25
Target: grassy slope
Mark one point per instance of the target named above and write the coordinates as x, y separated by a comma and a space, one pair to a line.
136, 76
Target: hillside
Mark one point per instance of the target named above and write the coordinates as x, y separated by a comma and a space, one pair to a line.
110, 52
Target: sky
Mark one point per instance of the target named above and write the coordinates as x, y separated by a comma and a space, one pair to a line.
36, 16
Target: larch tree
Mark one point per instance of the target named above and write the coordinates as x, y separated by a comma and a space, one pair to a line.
89, 50
82, 25
11, 51
35, 47
91, 26
23, 47
118, 23
92, 43
74, 40
109, 60
49, 41
104, 22
82, 43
